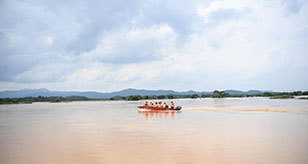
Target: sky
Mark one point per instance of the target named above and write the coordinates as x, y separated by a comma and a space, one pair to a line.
202, 45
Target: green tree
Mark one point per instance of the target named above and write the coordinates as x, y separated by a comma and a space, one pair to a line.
204, 95
170, 96
267, 94
134, 97
297, 93
194, 96
219, 94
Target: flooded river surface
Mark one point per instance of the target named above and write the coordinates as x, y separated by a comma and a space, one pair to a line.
115, 132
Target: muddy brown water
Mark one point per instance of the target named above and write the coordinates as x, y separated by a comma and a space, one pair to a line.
115, 132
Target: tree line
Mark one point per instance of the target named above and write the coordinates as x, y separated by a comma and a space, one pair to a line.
25, 100
214, 94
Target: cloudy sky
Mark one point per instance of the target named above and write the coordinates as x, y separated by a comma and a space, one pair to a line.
105, 45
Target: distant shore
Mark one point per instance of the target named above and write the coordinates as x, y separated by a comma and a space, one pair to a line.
216, 94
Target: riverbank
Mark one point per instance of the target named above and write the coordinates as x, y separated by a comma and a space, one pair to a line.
30, 100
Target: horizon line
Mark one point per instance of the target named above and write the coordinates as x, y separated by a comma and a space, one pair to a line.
146, 90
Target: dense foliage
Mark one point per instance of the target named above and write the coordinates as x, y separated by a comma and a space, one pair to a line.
42, 99
282, 97
194, 96
220, 94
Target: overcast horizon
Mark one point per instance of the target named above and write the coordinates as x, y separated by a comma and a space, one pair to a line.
107, 46
149, 90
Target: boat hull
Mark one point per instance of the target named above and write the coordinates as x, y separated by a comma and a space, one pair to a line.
157, 108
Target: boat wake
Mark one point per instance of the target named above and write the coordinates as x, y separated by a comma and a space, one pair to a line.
246, 109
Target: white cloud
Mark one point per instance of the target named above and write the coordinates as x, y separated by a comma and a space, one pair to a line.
44, 73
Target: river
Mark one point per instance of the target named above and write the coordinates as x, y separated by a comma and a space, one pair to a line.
115, 132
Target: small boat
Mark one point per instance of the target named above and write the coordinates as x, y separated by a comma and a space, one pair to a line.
157, 108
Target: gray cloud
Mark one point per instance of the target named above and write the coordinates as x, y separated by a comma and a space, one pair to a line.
181, 15
134, 52
291, 6
100, 18
46, 41
222, 15
76, 27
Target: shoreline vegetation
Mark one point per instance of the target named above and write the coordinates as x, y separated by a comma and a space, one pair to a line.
215, 94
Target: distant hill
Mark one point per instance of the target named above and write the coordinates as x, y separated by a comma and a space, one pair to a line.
100, 95
250, 92
46, 92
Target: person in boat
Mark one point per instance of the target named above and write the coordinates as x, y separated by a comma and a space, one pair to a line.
159, 105
166, 105
156, 105
172, 105
146, 103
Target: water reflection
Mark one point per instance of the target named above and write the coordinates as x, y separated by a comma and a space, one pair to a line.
168, 114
